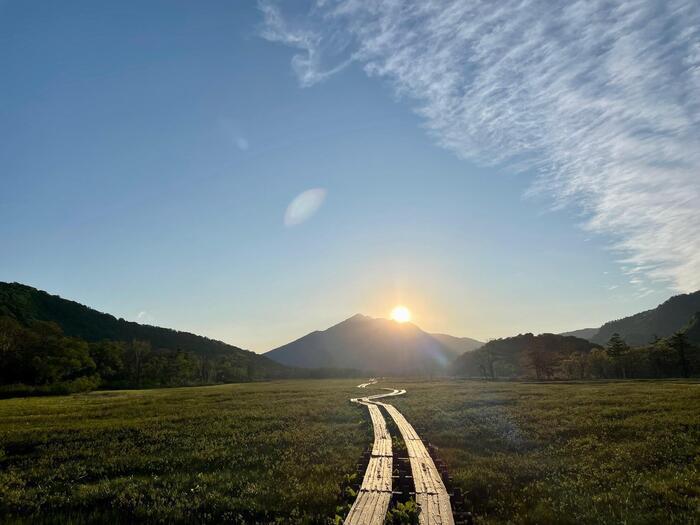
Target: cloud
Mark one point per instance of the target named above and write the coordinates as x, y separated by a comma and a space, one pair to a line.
144, 317
599, 99
304, 206
308, 64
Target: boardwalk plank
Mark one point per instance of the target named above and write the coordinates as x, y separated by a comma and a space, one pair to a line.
378, 475
369, 508
373, 500
431, 494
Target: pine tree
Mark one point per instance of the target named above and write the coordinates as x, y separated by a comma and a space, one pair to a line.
617, 348
679, 343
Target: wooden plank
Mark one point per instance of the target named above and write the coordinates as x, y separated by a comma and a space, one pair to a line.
426, 477
382, 447
406, 429
378, 422
370, 508
373, 500
435, 509
378, 475
431, 494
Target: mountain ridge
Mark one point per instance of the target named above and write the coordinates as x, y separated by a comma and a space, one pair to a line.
510, 356
640, 329
373, 344
458, 344
27, 304
583, 333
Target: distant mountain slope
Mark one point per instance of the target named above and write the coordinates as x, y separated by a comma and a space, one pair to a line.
507, 357
27, 304
662, 321
583, 333
379, 346
458, 345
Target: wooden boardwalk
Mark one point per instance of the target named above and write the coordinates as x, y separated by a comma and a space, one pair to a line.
373, 500
431, 494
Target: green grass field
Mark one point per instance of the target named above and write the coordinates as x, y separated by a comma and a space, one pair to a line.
235, 453
623, 452
526, 453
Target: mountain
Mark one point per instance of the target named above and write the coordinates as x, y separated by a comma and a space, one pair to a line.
584, 333
27, 305
379, 346
662, 321
513, 356
458, 345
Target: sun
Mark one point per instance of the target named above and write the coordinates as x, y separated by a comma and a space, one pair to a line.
401, 314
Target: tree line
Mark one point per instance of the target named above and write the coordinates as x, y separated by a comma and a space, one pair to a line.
40, 359
674, 356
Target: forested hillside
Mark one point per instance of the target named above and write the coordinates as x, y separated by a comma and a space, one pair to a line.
52, 345
27, 304
550, 356
542, 356
662, 321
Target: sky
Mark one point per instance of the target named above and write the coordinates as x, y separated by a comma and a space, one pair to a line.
253, 171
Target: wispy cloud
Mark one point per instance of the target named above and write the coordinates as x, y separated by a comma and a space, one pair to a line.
313, 46
601, 99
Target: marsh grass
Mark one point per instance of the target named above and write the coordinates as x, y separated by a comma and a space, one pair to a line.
590, 452
260, 452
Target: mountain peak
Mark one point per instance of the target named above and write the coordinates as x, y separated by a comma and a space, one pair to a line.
359, 317
366, 343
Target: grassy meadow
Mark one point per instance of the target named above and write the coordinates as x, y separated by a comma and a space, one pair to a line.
234, 453
595, 452
620, 452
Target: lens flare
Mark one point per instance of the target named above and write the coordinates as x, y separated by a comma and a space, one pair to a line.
304, 206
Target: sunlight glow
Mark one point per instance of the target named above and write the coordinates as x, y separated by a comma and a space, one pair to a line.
401, 314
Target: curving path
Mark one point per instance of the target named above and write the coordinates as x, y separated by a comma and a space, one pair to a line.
373, 500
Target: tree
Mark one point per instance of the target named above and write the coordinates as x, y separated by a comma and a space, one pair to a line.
600, 363
617, 348
486, 357
137, 353
575, 366
56, 359
10, 337
539, 360
183, 368
207, 370
109, 358
679, 343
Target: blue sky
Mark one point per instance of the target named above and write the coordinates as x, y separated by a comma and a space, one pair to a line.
149, 151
